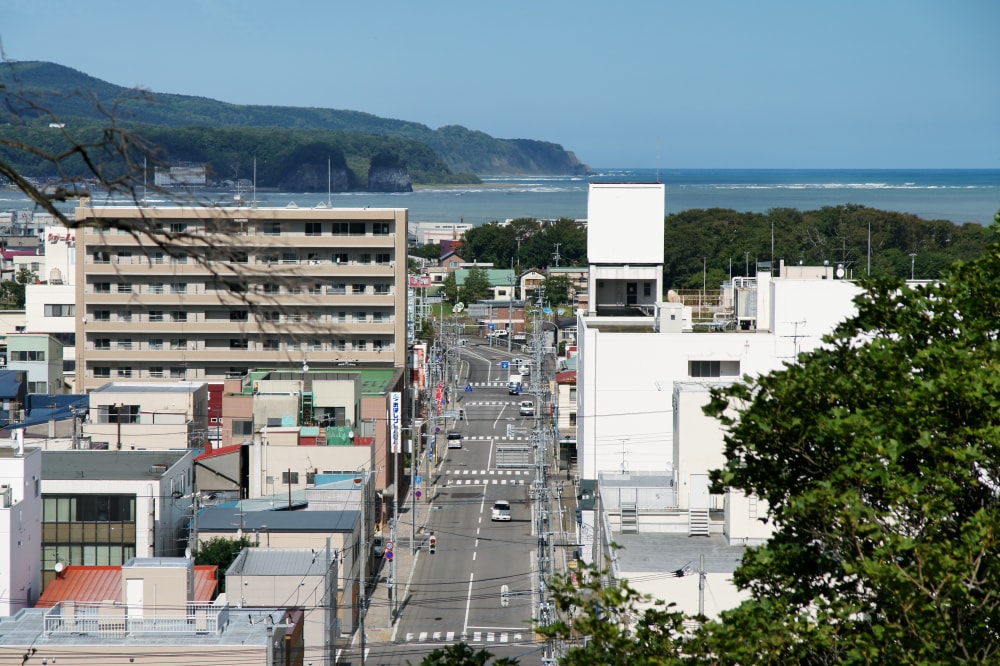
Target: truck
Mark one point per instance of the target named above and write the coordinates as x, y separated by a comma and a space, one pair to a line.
514, 384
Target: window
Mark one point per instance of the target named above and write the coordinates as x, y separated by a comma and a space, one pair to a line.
356, 228
125, 373
340, 229
178, 227
714, 368
341, 258
239, 315
102, 315
572, 393
124, 257
383, 258
242, 428
289, 257
272, 345
238, 343
272, 228
361, 344
647, 289
270, 315
289, 478
271, 288
380, 228
55, 310
366, 258
315, 345
125, 344
102, 257
178, 373
572, 418
338, 289
311, 478
125, 315
341, 345
156, 372
236, 287
156, 344
178, 344
361, 317
377, 317
182, 259
316, 289
383, 289
357, 288
102, 344
314, 229
102, 372
156, 315
156, 288
27, 355
377, 345
178, 288
124, 288
102, 287
239, 257
179, 315
292, 345
342, 316
155, 257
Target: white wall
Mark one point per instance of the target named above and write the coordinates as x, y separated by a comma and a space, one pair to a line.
698, 441
625, 223
21, 532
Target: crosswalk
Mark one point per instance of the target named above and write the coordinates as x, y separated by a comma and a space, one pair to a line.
472, 637
515, 438
485, 477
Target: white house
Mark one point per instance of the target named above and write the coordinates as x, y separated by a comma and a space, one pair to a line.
20, 528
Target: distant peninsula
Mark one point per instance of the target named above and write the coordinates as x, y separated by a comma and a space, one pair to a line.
293, 148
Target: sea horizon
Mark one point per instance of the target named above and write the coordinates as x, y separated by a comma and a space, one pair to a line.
957, 195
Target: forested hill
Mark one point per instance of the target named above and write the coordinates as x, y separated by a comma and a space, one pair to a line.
461, 150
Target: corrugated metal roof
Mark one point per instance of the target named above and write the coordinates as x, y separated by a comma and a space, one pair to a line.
279, 562
225, 519
83, 584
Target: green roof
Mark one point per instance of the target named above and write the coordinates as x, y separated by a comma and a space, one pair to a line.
496, 276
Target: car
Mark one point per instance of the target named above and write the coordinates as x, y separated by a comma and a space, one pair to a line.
524, 369
501, 510
454, 440
527, 408
499, 333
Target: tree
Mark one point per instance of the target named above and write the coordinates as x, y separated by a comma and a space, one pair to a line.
221, 552
556, 289
476, 286
449, 288
879, 458
461, 654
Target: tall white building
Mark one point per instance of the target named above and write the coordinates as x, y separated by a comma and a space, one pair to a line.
20, 528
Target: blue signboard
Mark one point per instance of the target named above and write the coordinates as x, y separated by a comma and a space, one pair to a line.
491, 326
417, 479
504, 364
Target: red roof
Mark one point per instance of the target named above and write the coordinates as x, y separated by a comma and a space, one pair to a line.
566, 377
94, 584
221, 451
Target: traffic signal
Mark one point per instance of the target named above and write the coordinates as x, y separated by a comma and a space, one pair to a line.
432, 544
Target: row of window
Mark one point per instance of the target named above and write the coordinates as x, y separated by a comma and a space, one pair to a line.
184, 344
180, 288
270, 228
60, 310
125, 257
240, 316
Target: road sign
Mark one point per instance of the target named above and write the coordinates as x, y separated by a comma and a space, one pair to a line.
417, 494
468, 388
547, 311
504, 364
389, 555
491, 326
418, 479
388, 545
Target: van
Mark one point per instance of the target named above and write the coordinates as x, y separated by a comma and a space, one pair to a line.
527, 408
501, 510
454, 440
514, 385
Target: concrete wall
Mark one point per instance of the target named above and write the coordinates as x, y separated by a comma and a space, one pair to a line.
625, 223
20, 530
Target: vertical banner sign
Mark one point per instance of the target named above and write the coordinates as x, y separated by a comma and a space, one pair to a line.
395, 421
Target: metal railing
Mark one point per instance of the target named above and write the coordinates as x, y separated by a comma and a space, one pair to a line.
116, 619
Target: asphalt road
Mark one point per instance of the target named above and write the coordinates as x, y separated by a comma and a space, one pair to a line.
455, 594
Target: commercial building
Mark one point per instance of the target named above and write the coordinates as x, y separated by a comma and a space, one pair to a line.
209, 293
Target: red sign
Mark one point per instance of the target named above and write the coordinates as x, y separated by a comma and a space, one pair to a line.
420, 281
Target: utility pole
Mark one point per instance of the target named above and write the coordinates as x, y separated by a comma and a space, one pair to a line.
364, 556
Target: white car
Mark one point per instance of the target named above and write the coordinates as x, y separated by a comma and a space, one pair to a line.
501, 510
527, 408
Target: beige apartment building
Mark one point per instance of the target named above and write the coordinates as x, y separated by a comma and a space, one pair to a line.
208, 293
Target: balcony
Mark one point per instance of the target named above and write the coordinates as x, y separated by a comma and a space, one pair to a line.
114, 620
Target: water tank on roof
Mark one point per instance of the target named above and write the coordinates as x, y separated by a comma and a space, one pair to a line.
55, 276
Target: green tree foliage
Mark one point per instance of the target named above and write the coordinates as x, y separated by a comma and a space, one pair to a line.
556, 289
461, 654
476, 286
427, 251
879, 458
706, 245
449, 288
524, 243
221, 552
607, 625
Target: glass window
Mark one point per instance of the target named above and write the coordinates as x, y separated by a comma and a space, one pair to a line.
314, 229
102, 287
102, 372
178, 288
289, 477
380, 228
155, 315
102, 315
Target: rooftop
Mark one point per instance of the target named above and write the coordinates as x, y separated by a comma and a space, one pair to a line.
149, 387
109, 465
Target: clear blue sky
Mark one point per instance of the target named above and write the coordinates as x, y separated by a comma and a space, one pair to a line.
671, 83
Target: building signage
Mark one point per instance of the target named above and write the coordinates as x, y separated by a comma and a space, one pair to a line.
395, 421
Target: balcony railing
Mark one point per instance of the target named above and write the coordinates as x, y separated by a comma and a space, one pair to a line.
112, 619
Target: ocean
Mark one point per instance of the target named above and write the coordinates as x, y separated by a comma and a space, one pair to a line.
957, 195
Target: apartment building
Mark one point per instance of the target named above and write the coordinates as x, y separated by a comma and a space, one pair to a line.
209, 293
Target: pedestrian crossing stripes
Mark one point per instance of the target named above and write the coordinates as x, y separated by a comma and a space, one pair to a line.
477, 637
499, 441
493, 477
499, 472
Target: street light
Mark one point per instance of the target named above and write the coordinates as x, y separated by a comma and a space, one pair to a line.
913, 258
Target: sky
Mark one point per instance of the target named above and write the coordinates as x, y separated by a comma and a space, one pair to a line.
634, 83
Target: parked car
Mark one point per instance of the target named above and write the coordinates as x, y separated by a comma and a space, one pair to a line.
501, 510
